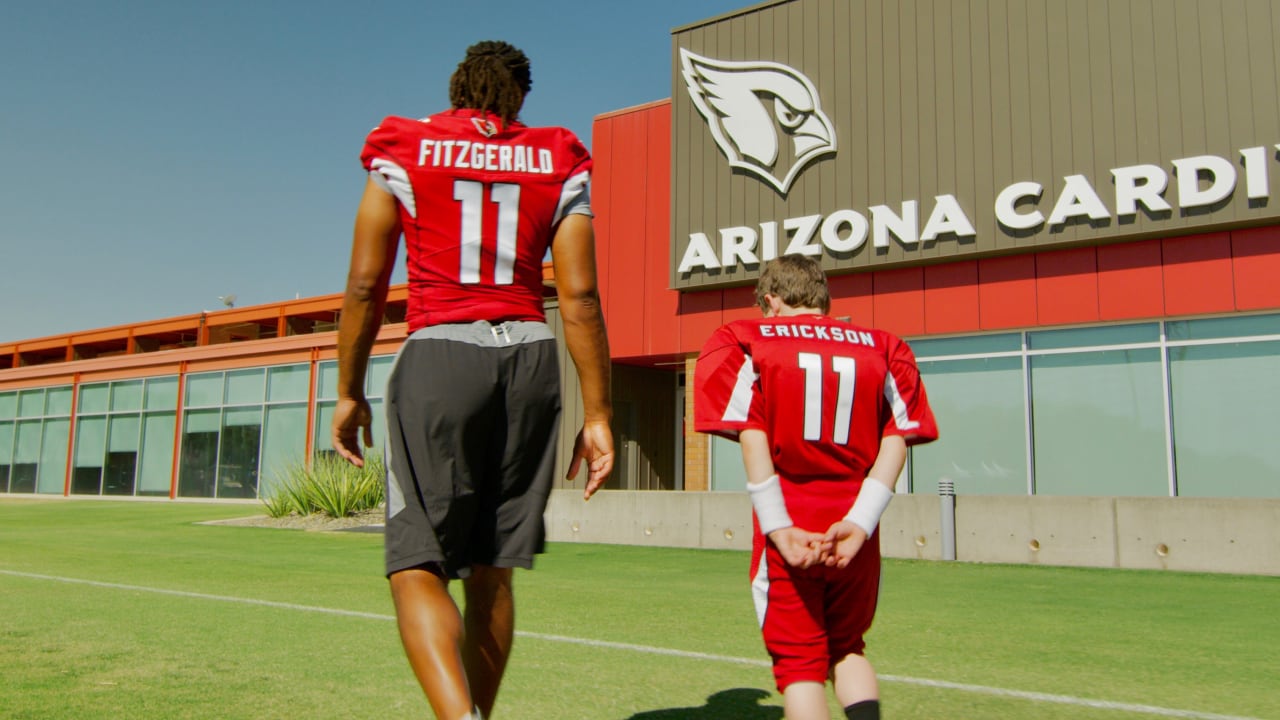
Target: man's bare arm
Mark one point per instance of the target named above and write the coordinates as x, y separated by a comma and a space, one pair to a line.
573, 257
373, 252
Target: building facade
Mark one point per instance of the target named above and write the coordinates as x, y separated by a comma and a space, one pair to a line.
1069, 209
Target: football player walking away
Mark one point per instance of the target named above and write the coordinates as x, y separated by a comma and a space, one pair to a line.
473, 399
824, 411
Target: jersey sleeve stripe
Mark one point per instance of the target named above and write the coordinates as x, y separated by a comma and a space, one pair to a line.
739, 406
901, 416
395, 179
574, 189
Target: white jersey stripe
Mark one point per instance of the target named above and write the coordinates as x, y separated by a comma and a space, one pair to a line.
740, 401
573, 188
901, 417
395, 180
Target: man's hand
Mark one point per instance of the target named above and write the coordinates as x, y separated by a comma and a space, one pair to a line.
595, 445
845, 540
349, 416
800, 548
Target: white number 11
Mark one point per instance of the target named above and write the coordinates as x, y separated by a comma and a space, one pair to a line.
471, 194
845, 368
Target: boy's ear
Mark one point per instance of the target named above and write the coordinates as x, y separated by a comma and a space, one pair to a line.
773, 305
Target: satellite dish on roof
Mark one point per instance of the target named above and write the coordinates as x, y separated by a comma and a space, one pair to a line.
228, 300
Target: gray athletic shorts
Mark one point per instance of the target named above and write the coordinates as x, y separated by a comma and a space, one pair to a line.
473, 412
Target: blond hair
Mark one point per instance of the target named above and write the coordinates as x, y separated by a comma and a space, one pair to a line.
797, 280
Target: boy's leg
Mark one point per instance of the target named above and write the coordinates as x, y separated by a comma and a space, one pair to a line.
805, 701
490, 627
854, 680
431, 630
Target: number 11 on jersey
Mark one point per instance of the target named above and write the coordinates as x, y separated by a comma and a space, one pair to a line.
845, 369
470, 194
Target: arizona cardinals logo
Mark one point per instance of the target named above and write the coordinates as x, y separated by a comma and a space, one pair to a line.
751, 107
486, 127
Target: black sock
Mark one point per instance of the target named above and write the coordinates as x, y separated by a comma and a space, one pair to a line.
865, 710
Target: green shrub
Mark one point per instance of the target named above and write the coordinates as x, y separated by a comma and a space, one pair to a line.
331, 485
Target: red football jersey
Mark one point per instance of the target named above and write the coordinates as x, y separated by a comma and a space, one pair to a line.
479, 205
824, 391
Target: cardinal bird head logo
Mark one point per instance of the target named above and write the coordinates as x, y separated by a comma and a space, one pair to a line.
753, 109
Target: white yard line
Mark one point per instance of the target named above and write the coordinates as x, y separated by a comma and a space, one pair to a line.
941, 684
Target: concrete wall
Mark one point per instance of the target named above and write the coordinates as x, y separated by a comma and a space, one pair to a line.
1187, 534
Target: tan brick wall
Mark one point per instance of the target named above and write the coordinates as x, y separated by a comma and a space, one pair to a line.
696, 445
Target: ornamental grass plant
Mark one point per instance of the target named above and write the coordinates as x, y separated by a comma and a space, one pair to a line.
329, 485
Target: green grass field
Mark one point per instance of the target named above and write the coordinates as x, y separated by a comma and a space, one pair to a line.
133, 610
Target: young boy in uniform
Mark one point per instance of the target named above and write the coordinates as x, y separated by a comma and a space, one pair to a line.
824, 411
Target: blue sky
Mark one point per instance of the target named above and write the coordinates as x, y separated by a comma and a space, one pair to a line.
155, 155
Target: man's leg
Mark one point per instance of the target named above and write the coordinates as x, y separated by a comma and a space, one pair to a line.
431, 630
855, 682
490, 629
805, 701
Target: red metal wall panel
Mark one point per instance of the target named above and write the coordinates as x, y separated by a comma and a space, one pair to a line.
602, 192
662, 334
1067, 286
1130, 281
627, 230
898, 304
951, 297
851, 297
1255, 263
1006, 292
700, 315
740, 304
1197, 274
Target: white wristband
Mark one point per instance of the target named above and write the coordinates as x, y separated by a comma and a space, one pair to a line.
873, 498
771, 509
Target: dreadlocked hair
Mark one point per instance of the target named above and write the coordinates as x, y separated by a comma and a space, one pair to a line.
495, 76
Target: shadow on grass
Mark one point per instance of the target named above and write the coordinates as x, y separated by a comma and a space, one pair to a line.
735, 704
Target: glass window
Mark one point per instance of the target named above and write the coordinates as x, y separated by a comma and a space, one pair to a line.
6, 454
284, 442
53, 457
1226, 327
93, 398
978, 345
246, 386
31, 403
162, 393
156, 468
289, 383
379, 371
122, 455
126, 395
91, 446
238, 453
727, 470
58, 401
327, 387
124, 433
324, 422
1094, 336
981, 416
8, 405
1098, 423
26, 457
199, 464
379, 426
1226, 407
204, 390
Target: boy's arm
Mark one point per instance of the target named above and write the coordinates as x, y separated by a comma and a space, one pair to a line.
799, 548
848, 535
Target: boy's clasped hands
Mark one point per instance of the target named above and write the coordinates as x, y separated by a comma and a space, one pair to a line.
834, 548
